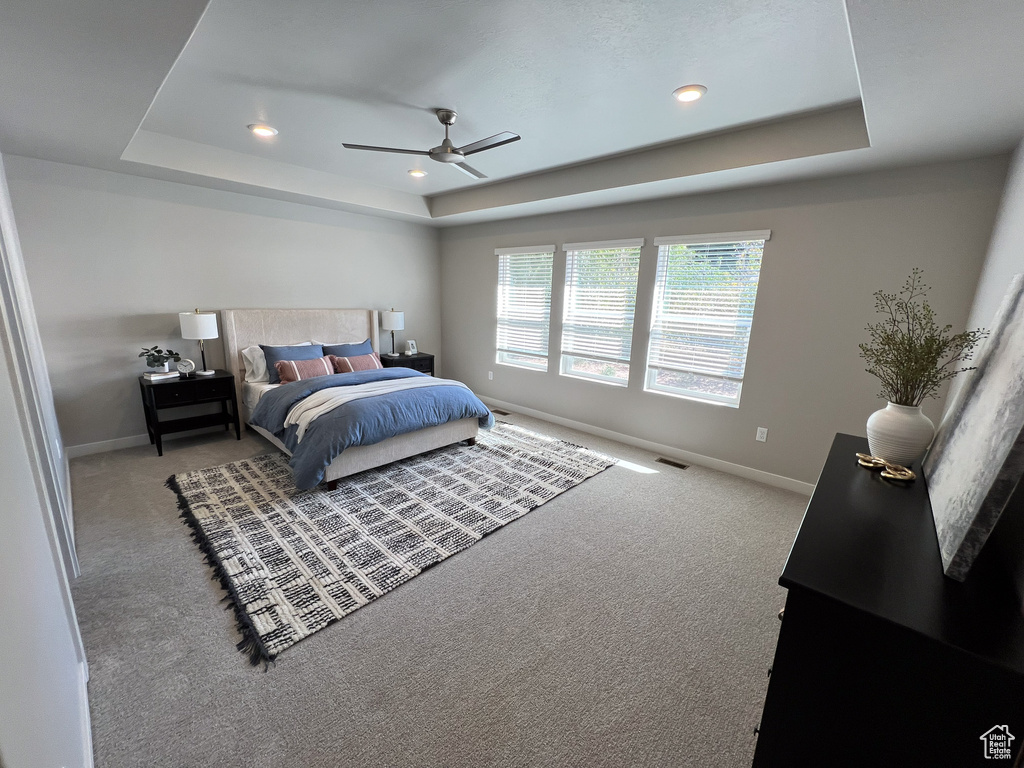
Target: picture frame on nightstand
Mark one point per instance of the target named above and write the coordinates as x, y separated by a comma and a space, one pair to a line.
410, 347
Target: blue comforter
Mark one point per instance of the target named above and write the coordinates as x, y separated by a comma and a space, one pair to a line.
364, 421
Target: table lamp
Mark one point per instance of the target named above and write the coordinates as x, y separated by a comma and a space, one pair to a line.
201, 326
392, 321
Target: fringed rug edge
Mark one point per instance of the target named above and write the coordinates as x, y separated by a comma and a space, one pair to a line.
251, 644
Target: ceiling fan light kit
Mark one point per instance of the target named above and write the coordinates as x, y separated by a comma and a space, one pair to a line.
446, 151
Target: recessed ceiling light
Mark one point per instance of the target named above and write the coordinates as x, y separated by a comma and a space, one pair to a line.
689, 92
417, 173
263, 131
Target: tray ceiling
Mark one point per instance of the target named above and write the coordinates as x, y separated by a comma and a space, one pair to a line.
167, 90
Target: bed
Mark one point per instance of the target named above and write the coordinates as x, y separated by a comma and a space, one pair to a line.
243, 328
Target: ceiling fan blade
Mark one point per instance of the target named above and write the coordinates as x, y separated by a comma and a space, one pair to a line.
386, 149
468, 170
497, 140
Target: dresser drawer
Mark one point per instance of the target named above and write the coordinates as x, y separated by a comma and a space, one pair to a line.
214, 389
425, 365
174, 393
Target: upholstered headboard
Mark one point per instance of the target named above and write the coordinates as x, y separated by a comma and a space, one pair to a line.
244, 327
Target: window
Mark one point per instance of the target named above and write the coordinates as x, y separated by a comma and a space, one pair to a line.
524, 306
700, 322
600, 295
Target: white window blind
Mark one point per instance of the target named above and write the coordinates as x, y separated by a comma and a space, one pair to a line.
703, 308
524, 306
600, 296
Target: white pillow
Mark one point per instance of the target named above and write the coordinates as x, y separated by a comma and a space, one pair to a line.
256, 362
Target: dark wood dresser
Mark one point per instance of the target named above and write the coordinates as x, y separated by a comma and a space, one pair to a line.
881, 659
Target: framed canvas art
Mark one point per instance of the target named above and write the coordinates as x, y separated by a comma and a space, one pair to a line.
977, 458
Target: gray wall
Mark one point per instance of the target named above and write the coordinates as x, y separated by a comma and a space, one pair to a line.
112, 259
834, 242
1006, 253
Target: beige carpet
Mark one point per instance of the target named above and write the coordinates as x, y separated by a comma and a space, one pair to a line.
630, 621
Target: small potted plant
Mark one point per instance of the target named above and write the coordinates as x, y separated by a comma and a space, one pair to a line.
912, 356
159, 358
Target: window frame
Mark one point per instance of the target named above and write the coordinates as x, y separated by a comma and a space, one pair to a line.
571, 310
744, 318
502, 298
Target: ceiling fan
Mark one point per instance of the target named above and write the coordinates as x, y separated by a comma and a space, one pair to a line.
446, 152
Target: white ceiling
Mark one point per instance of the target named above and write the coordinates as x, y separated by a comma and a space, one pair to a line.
576, 80
791, 84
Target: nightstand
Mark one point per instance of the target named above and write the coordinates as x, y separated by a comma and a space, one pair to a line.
421, 362
194, 390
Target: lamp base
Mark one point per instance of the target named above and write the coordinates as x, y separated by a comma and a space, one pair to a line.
391, 354
205, 373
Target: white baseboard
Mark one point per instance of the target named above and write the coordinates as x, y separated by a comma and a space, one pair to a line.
85, 449
778, 481
74, 451
87, 756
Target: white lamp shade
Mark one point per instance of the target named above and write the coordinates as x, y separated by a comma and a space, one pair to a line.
198, 325
390, 320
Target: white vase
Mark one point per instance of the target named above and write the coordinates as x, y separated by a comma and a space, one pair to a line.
164, 367
899, 433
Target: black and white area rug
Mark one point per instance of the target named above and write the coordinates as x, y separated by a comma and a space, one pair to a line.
295, 561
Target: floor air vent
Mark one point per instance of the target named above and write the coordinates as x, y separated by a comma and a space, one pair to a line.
499, 413
672, 463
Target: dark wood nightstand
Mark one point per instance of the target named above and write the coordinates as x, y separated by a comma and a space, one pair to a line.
421, 362
194, 390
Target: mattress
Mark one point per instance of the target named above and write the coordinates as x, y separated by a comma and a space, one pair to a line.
253, 391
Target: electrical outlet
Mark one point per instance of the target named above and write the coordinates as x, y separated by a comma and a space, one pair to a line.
762, 435
490, 375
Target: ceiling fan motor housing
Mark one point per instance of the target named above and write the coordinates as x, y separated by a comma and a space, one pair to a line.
446, 153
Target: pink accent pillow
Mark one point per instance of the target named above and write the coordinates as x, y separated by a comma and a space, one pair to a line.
296, 370
358, 363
